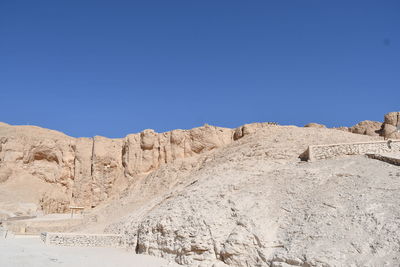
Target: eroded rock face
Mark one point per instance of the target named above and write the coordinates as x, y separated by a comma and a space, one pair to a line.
248, 129
371, 128
87, 171
106, 170
82, 186
146, 151
390, 125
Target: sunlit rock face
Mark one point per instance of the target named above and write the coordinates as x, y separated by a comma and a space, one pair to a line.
87, 171
391, 125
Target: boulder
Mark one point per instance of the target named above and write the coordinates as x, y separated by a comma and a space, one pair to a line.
391, 124
371, 128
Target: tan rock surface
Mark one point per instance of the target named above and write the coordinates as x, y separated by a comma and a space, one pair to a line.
391, 125
41, 164
371, 128
82, 186
314, 125
87, 171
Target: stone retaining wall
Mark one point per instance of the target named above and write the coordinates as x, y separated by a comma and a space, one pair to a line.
82, 240
389, 159
317, 152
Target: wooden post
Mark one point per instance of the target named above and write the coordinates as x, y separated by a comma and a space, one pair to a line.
72, 208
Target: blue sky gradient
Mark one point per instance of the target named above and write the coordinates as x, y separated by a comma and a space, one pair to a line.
116, 67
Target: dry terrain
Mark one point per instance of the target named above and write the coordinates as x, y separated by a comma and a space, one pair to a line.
211, 196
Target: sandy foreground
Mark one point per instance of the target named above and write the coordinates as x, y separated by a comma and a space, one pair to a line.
32, 252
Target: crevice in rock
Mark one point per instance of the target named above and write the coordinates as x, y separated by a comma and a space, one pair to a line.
398, 119
92, 159
213, 240
137, 243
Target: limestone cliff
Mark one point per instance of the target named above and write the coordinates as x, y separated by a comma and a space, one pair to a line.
87, 171
54, 170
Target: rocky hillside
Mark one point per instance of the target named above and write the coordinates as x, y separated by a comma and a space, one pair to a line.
254, 203
63, 170
214, 196
387, 129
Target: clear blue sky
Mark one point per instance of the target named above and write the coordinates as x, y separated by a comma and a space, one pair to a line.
116, 67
